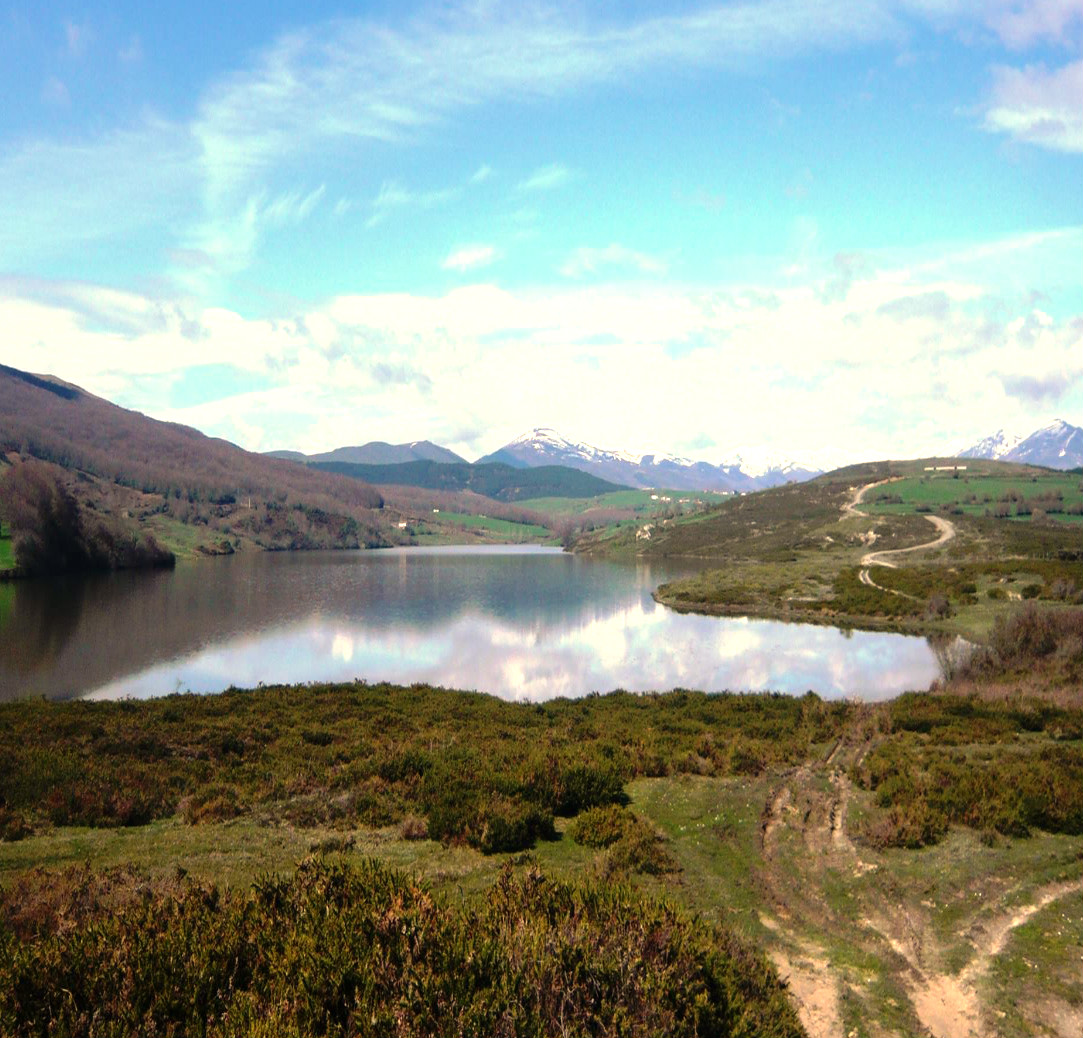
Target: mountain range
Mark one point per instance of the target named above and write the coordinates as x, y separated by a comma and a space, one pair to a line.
376, 452
1058, 445
543, 446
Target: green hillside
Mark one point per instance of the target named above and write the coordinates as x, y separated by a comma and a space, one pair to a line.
975, 541
1023, 494
501, 482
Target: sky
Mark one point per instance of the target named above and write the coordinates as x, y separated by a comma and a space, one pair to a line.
824, 231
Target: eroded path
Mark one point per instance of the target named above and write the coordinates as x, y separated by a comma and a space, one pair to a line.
817, 933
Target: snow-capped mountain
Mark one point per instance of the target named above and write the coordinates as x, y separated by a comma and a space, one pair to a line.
993, 448
547, 447
1058, 445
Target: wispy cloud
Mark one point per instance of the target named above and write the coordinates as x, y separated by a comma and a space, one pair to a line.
347, 81
77, 38
55, 194
481, 174
586, 260
1021, 24
546, 178
1039, 105
55, 93
132, 52
355, 79
392, 196
469, 257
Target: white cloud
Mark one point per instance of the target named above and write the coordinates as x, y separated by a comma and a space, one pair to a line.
910, 361
481, 174
586, 260
546, 178
470, 257
1039, 105
1021, 24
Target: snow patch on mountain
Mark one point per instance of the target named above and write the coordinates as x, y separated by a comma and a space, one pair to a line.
993, 448
1058, 445
748, 471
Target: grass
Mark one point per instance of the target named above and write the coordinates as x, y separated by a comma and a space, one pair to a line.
979, 495
637, 502
503, 529
1041, 970
247, 784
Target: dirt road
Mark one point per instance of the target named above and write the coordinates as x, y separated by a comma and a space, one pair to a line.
945, 530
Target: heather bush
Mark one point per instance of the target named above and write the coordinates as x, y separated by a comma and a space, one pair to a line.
932, 773
340, 951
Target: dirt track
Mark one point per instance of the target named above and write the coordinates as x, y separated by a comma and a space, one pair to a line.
945, 528
806, 815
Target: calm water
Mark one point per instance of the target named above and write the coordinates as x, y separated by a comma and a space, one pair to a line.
521, 623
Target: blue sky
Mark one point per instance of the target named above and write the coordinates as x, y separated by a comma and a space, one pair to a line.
824, 231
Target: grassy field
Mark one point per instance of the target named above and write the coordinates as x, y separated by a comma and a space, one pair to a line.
1018, 497
447, 525
816, 832
637, 502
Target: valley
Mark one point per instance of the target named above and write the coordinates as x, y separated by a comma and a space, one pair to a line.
863, 861
547, 520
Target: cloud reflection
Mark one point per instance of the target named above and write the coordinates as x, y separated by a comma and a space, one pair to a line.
641, 646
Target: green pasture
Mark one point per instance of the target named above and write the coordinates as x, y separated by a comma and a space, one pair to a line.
1055, 493
639, 501
503, 528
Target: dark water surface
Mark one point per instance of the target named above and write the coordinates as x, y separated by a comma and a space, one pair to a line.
521, 623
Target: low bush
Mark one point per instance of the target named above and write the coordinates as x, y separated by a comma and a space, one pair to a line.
374, 755
601, 826
930, 775
338, 951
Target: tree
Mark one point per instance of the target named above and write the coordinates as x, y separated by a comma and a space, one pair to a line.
46, 529
51, 534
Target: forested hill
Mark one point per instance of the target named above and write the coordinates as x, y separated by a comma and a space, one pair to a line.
498, 481
123, 462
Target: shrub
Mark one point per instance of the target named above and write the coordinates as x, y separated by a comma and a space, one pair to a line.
213, 804
938, 606
336, 950
639, 850
505, 824
414, 828
1028, 633
600, 826
13, 825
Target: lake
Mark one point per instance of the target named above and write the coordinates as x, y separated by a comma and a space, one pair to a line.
522, 623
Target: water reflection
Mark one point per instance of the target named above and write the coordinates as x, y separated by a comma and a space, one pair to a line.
525, 624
